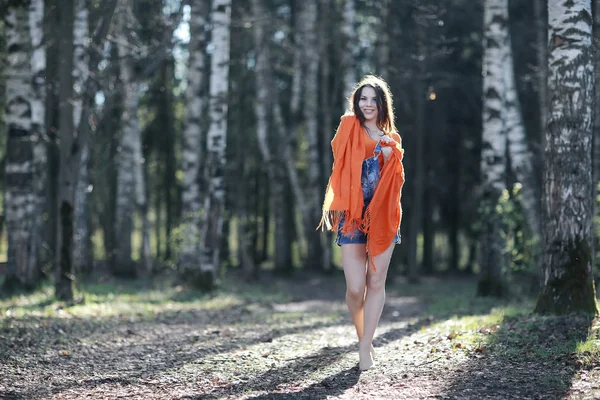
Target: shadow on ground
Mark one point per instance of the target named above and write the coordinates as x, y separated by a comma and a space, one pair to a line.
528, 357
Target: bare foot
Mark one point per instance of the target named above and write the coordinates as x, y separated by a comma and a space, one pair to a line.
365, 358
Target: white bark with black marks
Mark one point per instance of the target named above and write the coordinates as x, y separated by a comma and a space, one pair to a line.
568, 284
216, 143
126, 163
522, 158
494, 142
189, 254
25, 121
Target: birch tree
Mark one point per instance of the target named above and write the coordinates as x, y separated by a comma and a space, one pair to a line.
522, 159
82, 253
25, 122
317, 252
131, 187
349, 34
216, 144
270, 154
494, 142
192, 138
568, 284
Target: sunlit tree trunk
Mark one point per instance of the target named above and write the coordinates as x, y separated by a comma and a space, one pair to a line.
568, 284
212, 226
25, 121
82, 253
189, 256
493, 157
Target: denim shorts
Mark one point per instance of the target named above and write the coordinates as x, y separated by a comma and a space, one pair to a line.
369, 179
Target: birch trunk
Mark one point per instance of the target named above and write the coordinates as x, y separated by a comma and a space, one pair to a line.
82, 253
192, 139
568, 284
349, 33
315, 258
38, 127
522, 159
277, 186
494, 142
542, 61
596, 131
20, 196
216, 144
126, 163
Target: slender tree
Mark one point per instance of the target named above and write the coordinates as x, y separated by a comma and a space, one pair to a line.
189, 254
568, 284
277, 186
348, 55
82, 252
25, 120
493, 157
64, 278
216, 144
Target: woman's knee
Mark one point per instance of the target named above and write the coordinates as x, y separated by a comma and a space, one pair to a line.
355, 293
375, 284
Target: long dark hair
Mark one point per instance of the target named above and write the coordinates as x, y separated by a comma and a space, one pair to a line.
383, 99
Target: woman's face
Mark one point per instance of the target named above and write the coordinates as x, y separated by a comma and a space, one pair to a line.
368, 104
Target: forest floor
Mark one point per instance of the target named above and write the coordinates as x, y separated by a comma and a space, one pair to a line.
290, 339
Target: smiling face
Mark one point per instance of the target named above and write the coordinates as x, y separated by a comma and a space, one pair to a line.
368, 104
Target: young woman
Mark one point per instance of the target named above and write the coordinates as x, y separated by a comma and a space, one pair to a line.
362, 203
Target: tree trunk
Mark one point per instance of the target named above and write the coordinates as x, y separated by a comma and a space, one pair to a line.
216, 144
418, 177
283, 246
64, 278
82, 252
522, 159
191, 141
568, 284
596, 130
493, 157
126, 163
314, 193
325, 31
383, 39
25, 150
348, 54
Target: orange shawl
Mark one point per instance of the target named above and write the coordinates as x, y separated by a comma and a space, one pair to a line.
344, 197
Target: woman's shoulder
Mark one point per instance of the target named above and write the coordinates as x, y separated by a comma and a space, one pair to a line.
397, 137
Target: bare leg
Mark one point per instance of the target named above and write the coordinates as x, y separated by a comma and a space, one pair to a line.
373, 307
354, 261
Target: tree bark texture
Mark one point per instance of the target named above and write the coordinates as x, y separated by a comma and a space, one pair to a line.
216, 144
189, 254
494, 146
568, 284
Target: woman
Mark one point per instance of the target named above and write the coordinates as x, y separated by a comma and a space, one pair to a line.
362, 203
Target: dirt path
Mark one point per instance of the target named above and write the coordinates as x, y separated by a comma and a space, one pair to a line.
300, 348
